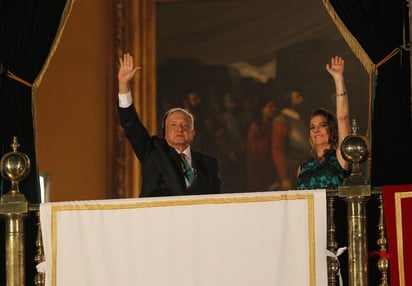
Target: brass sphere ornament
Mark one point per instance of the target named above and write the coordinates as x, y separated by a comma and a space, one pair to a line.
355, 149
14, 166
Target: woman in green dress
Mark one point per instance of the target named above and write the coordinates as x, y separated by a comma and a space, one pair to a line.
327, 168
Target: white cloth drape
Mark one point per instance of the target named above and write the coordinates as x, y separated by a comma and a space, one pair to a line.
271, 238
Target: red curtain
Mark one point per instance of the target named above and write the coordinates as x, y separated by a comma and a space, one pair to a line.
398, 211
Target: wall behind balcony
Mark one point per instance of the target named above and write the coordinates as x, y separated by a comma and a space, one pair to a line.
71, 106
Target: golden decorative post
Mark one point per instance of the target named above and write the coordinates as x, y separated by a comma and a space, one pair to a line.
14, 166
333, 264
40, 278
356, 191
383, 262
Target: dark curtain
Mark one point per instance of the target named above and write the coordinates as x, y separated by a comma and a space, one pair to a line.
28, 29
379, 28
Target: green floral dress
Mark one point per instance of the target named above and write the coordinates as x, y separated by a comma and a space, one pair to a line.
321, 174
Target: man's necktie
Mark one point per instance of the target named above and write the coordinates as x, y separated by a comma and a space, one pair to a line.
187, 170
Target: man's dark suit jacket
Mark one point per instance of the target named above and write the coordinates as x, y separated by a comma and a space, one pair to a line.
161, 164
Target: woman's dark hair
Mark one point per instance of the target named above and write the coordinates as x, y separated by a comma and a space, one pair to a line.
332, 125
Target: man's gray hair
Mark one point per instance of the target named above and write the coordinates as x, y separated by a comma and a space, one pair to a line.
182, 110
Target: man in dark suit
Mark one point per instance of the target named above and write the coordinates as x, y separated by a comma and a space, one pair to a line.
169, 166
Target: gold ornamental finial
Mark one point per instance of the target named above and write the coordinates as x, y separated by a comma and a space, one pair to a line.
355, 149
14, 166
15, 145
355, 127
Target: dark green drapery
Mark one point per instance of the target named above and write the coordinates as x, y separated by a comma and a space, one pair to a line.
29, 32
378, 32
377, 28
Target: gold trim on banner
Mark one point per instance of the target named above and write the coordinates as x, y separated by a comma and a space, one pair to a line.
190, 201
399, 233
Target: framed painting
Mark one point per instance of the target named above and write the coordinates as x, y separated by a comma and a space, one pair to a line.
221, 59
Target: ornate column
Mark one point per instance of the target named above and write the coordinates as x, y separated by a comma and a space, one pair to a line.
333, 264
134, 31
356, 191
383, 262
14, 207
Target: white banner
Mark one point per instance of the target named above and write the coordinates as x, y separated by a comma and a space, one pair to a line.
270, 238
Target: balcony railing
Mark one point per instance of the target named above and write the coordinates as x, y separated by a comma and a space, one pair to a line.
14, 208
